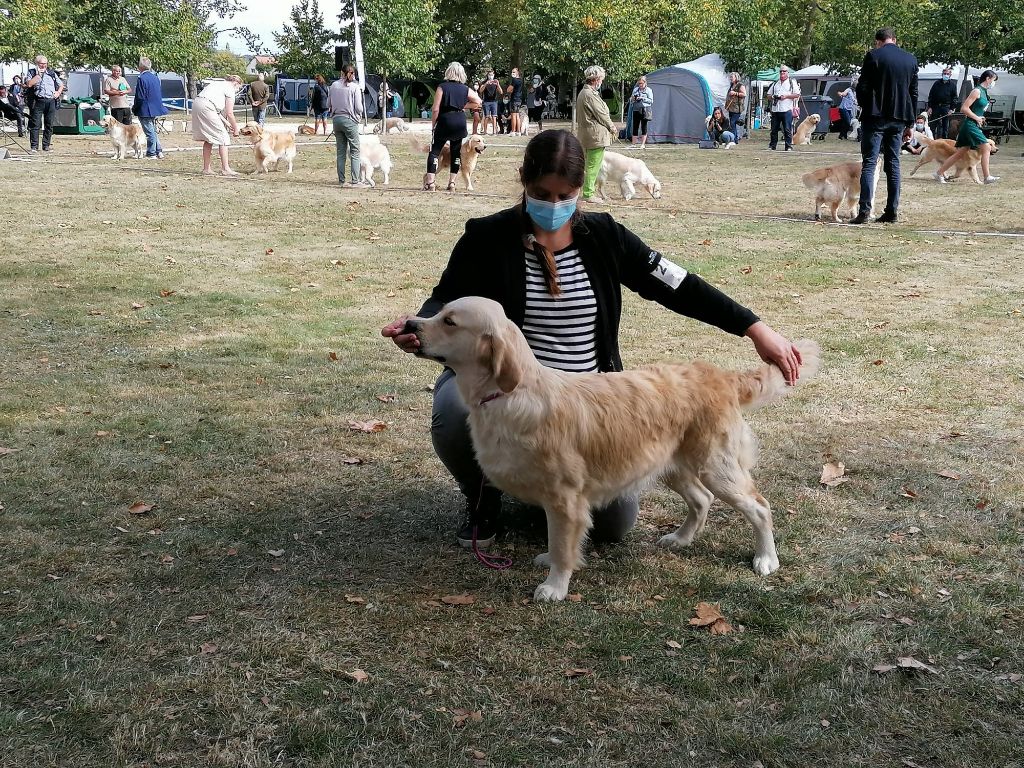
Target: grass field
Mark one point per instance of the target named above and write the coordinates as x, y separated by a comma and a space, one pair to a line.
201, 344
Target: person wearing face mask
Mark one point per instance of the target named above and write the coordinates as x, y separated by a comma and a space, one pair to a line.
559, 274
913, 146
942, 102
490, 92
535, 102
971, 136
594, 126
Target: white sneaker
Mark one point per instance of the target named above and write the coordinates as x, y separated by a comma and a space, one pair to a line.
939, 177
991, 179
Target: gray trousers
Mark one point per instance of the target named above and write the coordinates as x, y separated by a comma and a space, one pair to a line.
449, 431
346, 134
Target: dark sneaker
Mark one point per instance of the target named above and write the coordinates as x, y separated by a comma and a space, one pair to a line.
887, 217
860, 218
480, 521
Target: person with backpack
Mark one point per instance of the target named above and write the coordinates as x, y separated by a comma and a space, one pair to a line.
490, 92
44, 90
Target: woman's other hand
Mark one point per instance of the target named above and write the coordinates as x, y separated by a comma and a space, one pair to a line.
776, 349
407, 342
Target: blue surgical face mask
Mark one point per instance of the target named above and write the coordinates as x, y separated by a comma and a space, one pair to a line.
945, 78
550, 216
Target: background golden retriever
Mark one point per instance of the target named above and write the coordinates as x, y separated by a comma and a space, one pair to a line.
574, 442
802, 134
123, 136
269, 147
472, 148
837, 184
940, 150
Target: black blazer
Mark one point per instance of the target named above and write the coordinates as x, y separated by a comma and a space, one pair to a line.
888, 85
942, 95
489, 260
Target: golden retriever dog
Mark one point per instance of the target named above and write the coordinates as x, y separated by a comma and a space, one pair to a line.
472, 148
307, 130
572, 442
837, 184
393, 124
940, 150
371, 156
626, 171
269, 147
802, 134
123, 136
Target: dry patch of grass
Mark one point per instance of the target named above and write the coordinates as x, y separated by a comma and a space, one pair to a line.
226, 625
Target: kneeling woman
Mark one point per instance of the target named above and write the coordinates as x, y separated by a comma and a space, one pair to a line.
559, 275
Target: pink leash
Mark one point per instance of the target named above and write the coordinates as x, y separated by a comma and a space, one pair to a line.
496, 562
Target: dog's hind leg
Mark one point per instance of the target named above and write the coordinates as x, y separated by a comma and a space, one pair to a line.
698, 499
732, 484
568, 522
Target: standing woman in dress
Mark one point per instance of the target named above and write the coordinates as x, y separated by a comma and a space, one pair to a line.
448, 120
213, 121
971, 136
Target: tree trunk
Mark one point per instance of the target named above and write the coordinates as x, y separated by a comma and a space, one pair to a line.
517, 55
807, 38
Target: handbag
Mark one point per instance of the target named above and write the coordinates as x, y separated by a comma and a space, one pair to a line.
707, 144
648, 113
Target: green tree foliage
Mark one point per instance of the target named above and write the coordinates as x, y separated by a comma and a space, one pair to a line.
306, 44
399, 36
222, 63
974, 33
683, 30
482, 33
31, 27
567, 36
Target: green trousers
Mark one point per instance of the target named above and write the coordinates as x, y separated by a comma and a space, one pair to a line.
593, 167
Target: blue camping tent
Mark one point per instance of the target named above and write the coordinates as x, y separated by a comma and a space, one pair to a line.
684, 95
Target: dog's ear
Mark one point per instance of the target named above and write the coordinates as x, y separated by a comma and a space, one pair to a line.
500, 357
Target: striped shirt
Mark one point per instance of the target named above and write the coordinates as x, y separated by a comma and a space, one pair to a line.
561, 330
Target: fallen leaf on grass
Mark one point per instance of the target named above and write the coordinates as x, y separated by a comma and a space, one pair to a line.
275, 552
165, 293
358, 675
982, 503
709, 616
909, 493
458, 600
208, 648
8, 451
878, 362
574, 597
354, 600
102, 433
367, 426
706, 242
905, 662
140, 508
387, 398
351, 460
269, 252
461, 716
476, 754
137, 305
166, 559
674, 643
833, 474
746, 270
332, 355
95, 312
578, 672
196, 618
949, 475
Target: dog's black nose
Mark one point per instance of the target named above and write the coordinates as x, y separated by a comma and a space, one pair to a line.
410, 327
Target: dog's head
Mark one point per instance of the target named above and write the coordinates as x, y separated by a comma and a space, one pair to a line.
252, 131
474, 338
476, 143
653, 186
995, 147
109, 122
814, 119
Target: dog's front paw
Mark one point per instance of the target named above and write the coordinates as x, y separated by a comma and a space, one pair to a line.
766, 564
548, 593
672, 541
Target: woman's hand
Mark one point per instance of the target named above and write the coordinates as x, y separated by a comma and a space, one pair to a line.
407, 342
776, 349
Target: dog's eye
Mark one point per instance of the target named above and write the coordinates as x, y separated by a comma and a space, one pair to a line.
449, 321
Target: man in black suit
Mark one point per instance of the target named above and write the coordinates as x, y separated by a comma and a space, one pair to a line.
887, 94
941, 102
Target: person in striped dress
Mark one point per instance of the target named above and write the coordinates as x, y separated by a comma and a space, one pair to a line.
559, 274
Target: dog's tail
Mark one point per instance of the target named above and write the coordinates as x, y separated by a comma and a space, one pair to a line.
418, 146
766, 384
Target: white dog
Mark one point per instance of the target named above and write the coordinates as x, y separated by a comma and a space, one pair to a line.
626, 171
124, 136
393, 124
372, 156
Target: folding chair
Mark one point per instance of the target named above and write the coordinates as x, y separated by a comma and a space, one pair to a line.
9, 135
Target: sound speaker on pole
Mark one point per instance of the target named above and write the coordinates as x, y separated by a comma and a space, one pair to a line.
342, 56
